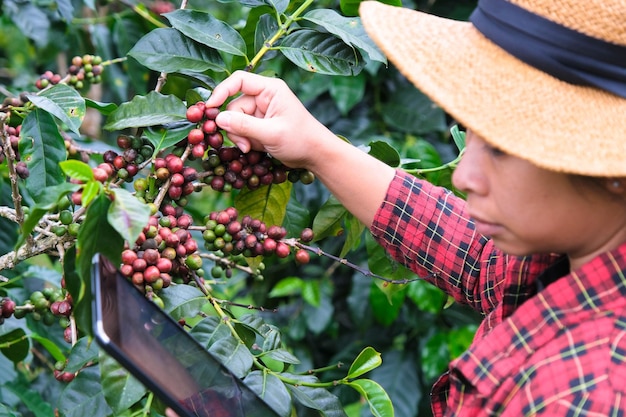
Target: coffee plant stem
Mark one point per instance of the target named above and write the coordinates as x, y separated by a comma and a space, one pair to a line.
343, 261
450, 165
279, 33
100, 19
10, 158
114, 61
323, 369
30, 249
148, 405
146, 15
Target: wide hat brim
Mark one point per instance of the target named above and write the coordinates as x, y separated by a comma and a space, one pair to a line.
511, 105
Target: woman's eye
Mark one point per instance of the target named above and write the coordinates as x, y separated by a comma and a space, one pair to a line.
495, 151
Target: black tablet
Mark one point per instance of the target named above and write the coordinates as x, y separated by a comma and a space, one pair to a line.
164, 356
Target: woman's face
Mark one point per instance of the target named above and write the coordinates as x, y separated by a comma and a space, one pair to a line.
526, 209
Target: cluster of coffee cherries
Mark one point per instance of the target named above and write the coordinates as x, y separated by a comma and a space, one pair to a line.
181, 179
49, 306
135, 151
164, 252
227, 166
249, 236
13, 133
60, 374
84, 70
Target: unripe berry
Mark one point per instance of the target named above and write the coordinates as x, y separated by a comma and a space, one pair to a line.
194, 262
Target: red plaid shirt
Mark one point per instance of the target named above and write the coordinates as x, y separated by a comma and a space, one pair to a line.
556, 351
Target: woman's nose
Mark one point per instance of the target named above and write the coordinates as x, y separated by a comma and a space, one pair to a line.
468, 176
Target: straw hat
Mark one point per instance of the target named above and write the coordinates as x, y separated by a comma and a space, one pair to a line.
557, 125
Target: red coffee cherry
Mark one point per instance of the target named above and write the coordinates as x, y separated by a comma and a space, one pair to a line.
195, 114
302, 256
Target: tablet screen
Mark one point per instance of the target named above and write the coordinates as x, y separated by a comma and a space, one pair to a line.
163, 356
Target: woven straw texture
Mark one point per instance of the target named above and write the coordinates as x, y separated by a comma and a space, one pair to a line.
513, 106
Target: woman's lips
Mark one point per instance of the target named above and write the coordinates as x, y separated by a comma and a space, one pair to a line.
486, 228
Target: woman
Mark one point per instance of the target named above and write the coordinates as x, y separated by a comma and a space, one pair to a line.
539, 246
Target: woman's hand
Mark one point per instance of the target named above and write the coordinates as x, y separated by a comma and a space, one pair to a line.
267, 116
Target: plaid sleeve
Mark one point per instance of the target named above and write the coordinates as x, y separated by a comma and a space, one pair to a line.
427, 229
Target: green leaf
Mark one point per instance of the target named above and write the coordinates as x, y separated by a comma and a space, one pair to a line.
377, 398
168, 50
458, 136
351, 7
120, 388
77, 170
31, 20
297, 217
385, 152
282, 355
316, 398
367, 360
204, 28
42, 147
49, 345
347, 91
30, 399
268, 203
321, 53
128, 215
353, 236
90, 191
328, 220
349, 29
272, 390
82, 353
400, 370
426, 296
162, 137
150, 110
48, 201
209, 330
182, 300
409, 110
104, 108
287, 287
386, 301
234, 355
311, 293
14, 344
84, 396
95, 235
5, 411
63, 102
